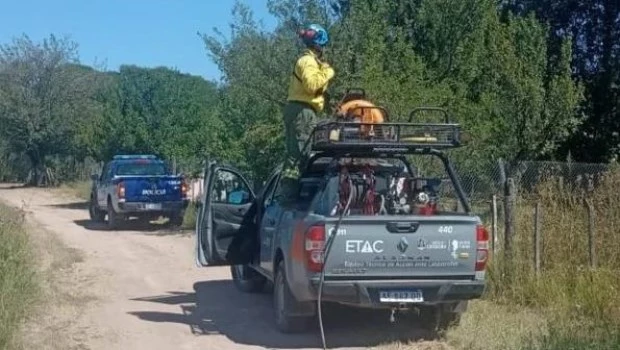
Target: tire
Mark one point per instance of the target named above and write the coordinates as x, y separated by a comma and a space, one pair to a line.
439, 317
144, 220
176, 219
96, 214
283, 304
114, 219
246, 279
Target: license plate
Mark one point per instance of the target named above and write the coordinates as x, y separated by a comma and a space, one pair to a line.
398, 296
153, 206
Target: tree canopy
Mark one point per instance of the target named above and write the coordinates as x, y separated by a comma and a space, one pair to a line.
529, 79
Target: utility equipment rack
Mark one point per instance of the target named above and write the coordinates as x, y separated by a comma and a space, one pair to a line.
343, 139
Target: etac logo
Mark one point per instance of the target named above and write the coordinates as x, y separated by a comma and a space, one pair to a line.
361, 246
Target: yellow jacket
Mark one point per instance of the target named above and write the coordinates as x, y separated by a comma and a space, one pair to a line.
309, 80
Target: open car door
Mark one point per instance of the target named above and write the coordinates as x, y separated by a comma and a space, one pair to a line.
222, 215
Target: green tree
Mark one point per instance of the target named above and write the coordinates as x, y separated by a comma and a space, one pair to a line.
594, 26
45, 96
159, 111
493, 73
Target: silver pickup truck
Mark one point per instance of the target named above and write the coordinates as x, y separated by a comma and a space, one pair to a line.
398, 239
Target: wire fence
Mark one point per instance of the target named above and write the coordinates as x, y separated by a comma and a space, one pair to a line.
546, 215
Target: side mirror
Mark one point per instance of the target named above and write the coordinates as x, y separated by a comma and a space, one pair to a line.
94, 177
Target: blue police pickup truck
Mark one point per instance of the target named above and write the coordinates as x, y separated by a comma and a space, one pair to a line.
137, 186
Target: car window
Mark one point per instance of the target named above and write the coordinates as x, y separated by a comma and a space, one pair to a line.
141, 168
108, 173
270, 189
104, 172
229, 188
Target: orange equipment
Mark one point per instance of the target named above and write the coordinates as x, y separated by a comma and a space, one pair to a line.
362, 111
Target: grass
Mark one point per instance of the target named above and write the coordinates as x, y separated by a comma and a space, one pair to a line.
189, 220
18, 280
569, 304
579, 303
78, 189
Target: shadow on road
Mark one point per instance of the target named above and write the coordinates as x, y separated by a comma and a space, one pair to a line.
134, 225
14, 186
73, 205
217, 307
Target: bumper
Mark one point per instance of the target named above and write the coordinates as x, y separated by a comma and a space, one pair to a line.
147, 207
366, 293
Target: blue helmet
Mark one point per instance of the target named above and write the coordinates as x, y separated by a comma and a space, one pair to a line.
314, 35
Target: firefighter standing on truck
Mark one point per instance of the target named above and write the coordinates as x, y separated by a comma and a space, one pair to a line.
309, 80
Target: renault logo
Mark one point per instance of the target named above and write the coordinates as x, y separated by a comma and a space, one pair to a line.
402, 245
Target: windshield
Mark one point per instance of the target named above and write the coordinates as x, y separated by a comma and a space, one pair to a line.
141, 168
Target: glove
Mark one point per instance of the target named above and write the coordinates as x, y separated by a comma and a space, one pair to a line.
329, 71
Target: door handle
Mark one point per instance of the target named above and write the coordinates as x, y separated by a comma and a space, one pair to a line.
402, 227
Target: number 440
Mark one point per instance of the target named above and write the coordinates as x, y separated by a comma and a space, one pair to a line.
446, 229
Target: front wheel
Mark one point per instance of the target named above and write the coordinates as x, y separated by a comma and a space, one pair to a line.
96, 214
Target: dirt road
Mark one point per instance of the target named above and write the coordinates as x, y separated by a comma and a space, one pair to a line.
140, 289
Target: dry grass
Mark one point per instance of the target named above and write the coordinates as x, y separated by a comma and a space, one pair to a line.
54, 316
488, 325
79, 189
580, 303
18, 279
569, 305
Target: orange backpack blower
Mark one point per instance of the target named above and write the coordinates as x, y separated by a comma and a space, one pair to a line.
355, 108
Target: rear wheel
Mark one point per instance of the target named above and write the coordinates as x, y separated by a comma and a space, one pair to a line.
439, 317
176, 219
246, 279
114, 219
284, 304
96, 214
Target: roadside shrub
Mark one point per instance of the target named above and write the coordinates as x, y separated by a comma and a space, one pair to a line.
18, 286
189, 220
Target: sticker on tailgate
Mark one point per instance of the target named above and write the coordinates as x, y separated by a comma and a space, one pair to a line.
150, 192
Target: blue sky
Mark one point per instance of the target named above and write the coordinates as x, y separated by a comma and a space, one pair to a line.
143, 32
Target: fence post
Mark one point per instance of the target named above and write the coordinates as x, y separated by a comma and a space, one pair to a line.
509, 230
494, 239
591, 234
537, 260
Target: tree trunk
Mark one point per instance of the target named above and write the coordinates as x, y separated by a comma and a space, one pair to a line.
35, 164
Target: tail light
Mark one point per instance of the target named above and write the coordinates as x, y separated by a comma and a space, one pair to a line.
120, 190
314, 245
482, 253
184, 188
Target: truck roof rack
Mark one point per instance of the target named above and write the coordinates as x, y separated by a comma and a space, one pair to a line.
350, 137
134, 156
344, 137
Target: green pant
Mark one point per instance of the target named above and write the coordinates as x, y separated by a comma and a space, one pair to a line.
299, 119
